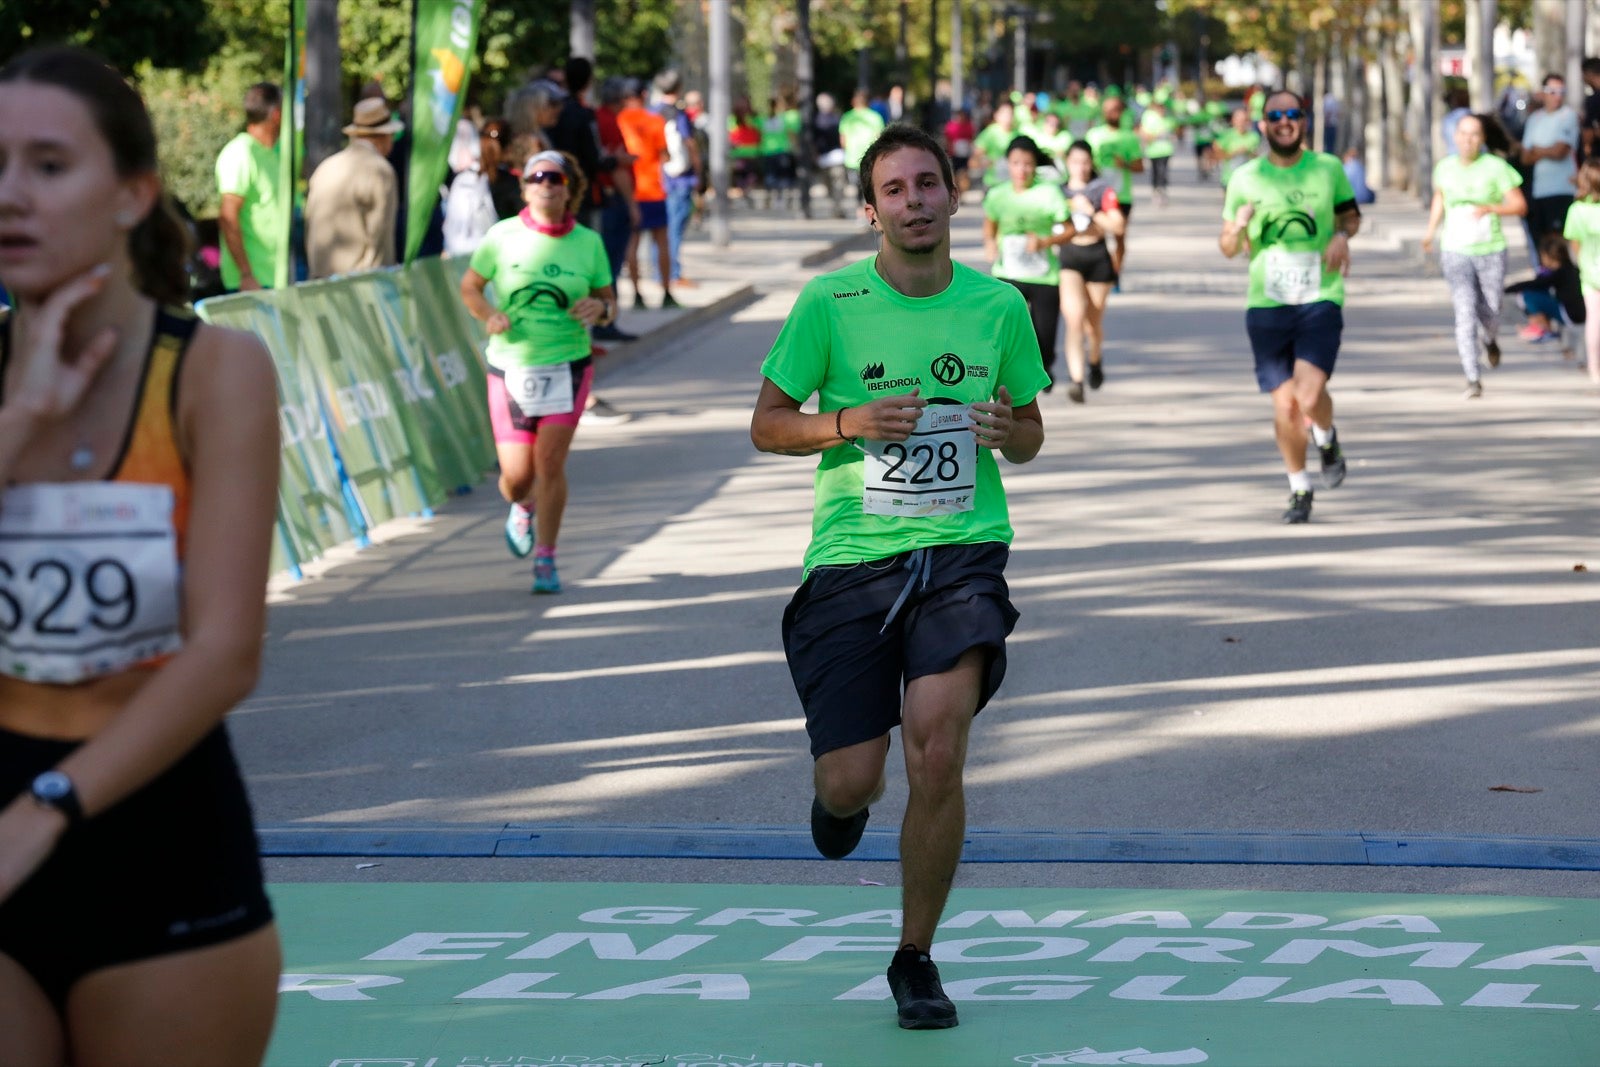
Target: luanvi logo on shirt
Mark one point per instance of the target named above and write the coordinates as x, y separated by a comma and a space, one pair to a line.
863, 291
872, 372
948, 368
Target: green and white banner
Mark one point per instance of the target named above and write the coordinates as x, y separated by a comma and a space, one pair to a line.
444, 40
605, 975
381, 398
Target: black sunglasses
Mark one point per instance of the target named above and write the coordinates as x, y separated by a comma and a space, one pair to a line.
1293, 114
546, 177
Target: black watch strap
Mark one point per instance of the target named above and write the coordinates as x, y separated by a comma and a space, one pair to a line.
53, 789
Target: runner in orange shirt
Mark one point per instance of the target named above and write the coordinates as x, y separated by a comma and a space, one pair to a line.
645, 134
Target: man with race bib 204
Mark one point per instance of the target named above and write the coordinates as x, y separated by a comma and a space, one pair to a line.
1295, 211
923, 369
552, 280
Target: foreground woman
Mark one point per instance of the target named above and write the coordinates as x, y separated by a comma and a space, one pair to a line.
139, 449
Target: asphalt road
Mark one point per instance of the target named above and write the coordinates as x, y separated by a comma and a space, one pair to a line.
1183, 663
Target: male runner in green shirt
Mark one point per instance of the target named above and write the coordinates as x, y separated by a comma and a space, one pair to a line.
1118, 155
1295, 212
923, 369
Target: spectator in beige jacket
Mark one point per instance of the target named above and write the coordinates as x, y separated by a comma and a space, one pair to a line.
353, 198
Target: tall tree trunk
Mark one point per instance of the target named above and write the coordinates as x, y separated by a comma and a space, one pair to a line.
958, 59
1399, 152
325, 111
1577, 23
1419, 124
580, 29
1319, 93
1482, 15
1549, 37
1372, 101
1339, 85
805, 79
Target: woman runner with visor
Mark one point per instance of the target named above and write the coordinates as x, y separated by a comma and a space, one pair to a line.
139, 455
552, 282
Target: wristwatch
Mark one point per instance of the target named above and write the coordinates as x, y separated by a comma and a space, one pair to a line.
53, 789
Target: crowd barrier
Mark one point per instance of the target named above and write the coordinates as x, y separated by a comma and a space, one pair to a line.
380, 397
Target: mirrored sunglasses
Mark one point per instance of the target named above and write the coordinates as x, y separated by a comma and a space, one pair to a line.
546, 177
1293, 114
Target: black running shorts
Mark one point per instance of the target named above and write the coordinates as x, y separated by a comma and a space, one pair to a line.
1092, 261
850, 670
171, 868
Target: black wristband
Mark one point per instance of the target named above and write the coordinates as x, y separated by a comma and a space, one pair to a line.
838, 424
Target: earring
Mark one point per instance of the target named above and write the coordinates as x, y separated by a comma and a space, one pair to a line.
125, 219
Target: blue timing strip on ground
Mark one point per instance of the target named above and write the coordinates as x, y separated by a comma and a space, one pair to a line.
982, 846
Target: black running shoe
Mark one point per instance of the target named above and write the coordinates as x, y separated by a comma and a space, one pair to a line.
1299, 508
1097, 376
1491, 349
834, 837
1075, 392
920, 999
1333, 466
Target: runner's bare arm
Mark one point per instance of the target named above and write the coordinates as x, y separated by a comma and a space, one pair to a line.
780, 427
478, 306
232, 234
1016, 433
1235, 231
227, 430
1435, 216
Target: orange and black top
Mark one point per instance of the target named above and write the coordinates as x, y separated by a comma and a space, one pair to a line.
149, 453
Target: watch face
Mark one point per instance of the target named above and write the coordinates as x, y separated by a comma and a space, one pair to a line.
52, 786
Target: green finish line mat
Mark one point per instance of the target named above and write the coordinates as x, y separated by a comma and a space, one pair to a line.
601, 975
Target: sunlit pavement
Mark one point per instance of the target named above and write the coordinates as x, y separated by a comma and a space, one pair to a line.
1184, 665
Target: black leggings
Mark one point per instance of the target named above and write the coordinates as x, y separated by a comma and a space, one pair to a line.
1158, 173
1044, 308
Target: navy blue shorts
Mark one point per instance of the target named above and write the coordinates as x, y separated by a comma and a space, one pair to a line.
652, 214
1281, 335
850, 669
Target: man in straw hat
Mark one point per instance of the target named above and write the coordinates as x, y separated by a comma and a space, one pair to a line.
353, 198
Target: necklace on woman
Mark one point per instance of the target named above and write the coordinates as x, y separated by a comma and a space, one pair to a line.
82, 457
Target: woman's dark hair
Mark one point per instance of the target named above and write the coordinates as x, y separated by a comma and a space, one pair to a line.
159, 244
1028, 144
1087, 149
1495, 139
1554, 246
1588, 180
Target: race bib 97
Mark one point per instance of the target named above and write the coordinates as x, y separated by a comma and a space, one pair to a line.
89, 581
539, 391
1293, 277
932, 472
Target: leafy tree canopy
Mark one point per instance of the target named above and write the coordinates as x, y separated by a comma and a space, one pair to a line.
168, 33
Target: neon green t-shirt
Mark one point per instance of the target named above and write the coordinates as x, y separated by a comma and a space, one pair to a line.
1114, 151
1035, 210
774, 135
1159, 129
249, 169
1485, 181
858, 128
1231, 146
851, 339
1292, 225
537, 279
1583, 226
992, 141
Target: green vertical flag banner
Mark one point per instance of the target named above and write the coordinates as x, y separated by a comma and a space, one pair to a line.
294, 119
443, 43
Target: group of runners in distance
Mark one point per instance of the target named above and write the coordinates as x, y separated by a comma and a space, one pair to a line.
925, 372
